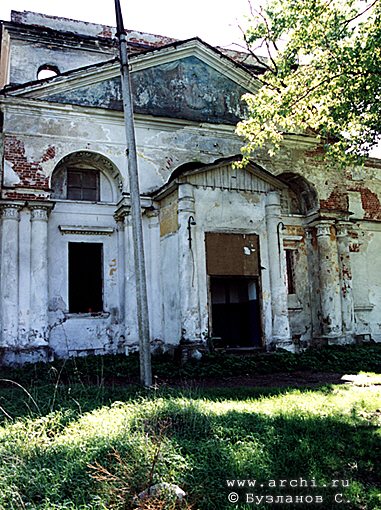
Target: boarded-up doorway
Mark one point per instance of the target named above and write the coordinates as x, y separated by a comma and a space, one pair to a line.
234, 284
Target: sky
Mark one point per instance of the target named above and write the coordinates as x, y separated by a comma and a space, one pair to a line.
215, 21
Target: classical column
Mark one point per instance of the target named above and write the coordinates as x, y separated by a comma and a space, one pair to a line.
279, 308
39, 275
347, 303
9, 298
329, 280
189, 306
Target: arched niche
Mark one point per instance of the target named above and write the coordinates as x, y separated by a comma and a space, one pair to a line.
85, 164
302, 196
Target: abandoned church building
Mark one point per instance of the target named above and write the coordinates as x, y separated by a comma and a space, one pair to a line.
284, 253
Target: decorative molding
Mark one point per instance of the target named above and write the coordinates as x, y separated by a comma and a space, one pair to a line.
39, 211
11, 210
364, 307
39, 214
323, 229
81, 230
342, 228
291, 237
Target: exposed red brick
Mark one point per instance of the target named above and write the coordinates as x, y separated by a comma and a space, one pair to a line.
337, 200
369, 201
29, 172
106, 32
371, 204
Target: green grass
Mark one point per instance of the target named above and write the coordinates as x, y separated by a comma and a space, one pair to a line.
94, 446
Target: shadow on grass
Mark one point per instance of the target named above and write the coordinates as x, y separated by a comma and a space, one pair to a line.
199, 450
76, 399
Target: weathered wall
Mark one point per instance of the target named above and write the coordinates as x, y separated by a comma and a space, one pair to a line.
162, 146
169, 268
26, 57
366, 265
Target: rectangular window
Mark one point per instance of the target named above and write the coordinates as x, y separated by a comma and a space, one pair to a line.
290, 267
85, 277
82, 184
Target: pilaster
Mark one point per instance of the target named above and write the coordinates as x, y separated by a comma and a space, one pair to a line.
188, 281
279, 308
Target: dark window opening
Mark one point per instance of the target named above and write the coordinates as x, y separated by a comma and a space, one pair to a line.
85, 277
290, 268
235, 311
83, 184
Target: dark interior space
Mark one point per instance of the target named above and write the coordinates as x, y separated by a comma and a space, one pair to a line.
235, 311
85, 277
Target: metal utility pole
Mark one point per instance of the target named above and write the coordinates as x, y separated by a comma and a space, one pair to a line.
136, 215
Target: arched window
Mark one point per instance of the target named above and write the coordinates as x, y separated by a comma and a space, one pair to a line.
47, 71
86, 176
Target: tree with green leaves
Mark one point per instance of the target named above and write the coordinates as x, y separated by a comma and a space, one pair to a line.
322, 75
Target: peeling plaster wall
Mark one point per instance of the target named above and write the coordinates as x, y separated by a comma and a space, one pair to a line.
162, 146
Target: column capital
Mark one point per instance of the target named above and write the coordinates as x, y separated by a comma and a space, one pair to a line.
152, 213
273, 199
342, 228
186, 198
11, 210
122, 214
323, 228
40, 210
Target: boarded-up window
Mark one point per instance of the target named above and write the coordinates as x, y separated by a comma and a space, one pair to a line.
232, 254
82, 184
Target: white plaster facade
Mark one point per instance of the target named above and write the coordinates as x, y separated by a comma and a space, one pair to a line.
190, 189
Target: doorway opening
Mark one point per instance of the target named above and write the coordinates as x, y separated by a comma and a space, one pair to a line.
85, 278
236, 319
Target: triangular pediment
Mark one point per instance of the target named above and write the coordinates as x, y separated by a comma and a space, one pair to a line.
188, 81
225, 175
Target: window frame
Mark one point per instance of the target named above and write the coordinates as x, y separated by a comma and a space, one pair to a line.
82, 172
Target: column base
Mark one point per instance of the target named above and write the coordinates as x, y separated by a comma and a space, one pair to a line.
17, 356
282, 343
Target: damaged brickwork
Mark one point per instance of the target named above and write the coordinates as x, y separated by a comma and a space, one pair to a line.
31, 173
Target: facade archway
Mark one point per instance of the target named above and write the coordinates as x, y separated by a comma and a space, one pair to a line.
302, 195
80, 172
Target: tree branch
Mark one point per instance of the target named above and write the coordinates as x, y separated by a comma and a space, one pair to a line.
358, 15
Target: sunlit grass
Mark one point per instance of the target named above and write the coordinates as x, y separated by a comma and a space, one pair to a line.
204, 438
